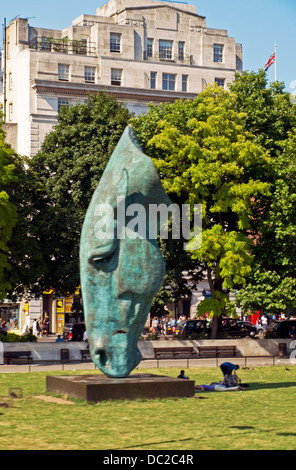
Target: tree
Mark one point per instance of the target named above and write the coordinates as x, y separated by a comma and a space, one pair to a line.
67, 170
270, 115
271, 286
205, 156
7, 209
25, 259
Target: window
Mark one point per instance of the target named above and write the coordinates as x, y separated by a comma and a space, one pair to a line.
62, 102
184, 82
153, 80
116, 77
168, 81
115, 42
150, 47
220, 82
165, 49
64, 72
10, 81
218, 52
181, 47
10, 111
90, 74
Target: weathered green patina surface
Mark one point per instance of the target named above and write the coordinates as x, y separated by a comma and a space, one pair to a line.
120, 274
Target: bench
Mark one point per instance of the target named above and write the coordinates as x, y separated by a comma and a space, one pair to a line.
10, 355
217, 351
175, 353
85, 354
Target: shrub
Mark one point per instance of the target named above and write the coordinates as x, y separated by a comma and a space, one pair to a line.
14, 338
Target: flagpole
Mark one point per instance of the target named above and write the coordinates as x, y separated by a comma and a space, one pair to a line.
275, 64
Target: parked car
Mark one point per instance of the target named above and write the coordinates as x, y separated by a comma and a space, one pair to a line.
281, 328
187, 327
233, 327
73, 331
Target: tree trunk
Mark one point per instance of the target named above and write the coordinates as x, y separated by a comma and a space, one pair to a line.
215, 327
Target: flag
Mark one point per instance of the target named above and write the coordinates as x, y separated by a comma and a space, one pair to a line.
270, 61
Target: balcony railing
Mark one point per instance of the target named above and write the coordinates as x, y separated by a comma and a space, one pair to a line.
65, 45
168, 57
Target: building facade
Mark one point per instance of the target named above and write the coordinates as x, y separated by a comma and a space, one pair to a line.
140, 51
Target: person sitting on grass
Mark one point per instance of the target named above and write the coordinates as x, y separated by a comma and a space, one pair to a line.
182, 375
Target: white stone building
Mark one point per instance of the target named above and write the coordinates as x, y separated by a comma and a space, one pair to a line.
140, 51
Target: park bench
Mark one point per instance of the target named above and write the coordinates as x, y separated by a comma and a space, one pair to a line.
175, 353
10, 355
217, 351
85, 354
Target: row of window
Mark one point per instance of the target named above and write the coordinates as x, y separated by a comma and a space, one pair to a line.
168, 83
64, 73
165, 48
168, 79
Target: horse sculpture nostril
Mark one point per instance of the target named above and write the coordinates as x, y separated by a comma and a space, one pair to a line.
102, 356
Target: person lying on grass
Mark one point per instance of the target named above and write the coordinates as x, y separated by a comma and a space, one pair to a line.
218, 387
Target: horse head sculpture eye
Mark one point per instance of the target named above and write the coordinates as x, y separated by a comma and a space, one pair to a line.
105, 261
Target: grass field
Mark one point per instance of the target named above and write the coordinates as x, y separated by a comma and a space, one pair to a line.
262, 417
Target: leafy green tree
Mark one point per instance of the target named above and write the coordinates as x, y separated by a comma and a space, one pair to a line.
269, 113
68, 168
205, 156
271, 286
8, 215
25, 259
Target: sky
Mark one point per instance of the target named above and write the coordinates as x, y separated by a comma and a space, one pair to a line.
257, 24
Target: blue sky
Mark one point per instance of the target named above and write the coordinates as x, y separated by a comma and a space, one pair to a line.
257, 24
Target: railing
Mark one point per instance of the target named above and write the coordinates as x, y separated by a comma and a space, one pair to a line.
131, 22
65, 45
169, 57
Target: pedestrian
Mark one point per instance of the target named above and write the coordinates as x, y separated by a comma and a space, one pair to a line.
264, 322
155, 325
45, 326
3, 328
39, 326
292, 332
59, 339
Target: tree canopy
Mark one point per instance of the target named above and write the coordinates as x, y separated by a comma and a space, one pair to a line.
205, 156
271, 117
67, 169
8, 215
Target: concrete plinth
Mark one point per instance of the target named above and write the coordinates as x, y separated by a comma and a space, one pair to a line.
96, 388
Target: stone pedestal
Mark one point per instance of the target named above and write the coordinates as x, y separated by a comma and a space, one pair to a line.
95, 388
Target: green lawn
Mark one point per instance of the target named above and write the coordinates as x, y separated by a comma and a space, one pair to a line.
261, 417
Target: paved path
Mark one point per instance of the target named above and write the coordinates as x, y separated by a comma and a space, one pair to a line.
151, 364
